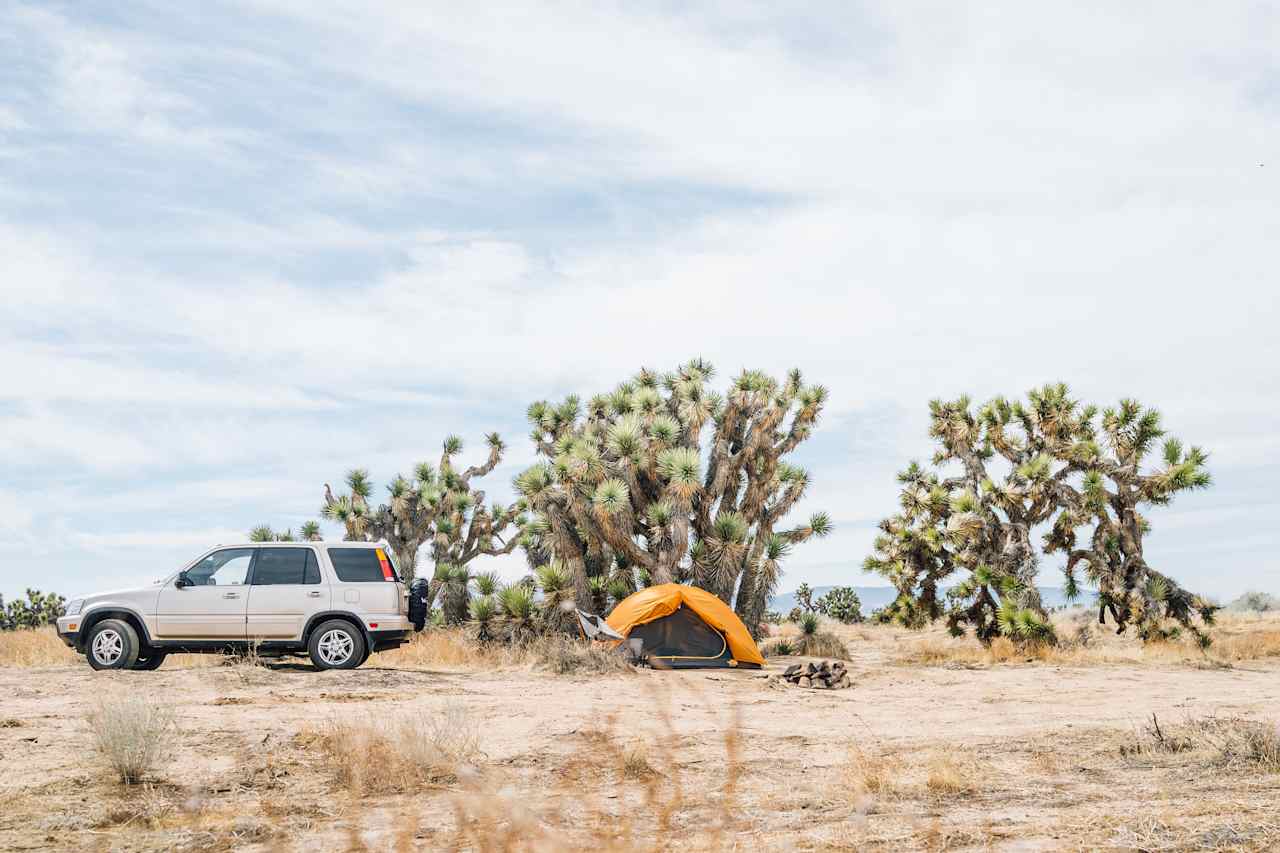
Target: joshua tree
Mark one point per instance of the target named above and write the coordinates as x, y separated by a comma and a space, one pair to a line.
308, 532
629, 492
1050, 469
841, 604
438, 507
37, 610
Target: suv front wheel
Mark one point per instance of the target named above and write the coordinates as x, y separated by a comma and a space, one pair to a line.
336, 644
112, 644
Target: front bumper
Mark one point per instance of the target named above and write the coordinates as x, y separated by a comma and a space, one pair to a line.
69, 631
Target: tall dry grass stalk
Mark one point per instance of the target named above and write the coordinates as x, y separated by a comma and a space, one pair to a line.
131, 732
370, 756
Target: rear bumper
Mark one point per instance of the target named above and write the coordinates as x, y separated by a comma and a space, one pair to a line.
387, 638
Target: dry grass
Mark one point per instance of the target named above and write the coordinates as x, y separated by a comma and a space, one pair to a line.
375, 756
865, 772
131, 733
35, 647
1236, 639
1219, 742
565, 656
457, 649
951, 772
635, 761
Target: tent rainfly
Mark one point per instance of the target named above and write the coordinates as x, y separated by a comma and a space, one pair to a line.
684, 627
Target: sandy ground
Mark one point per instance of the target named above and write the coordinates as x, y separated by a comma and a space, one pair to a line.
1036, 747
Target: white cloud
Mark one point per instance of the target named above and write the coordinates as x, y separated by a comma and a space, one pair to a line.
450, 211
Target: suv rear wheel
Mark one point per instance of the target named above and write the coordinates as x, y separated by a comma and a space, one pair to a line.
336, 644
151, 659
112, 644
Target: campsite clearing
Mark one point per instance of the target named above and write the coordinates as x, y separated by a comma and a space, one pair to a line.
963, 755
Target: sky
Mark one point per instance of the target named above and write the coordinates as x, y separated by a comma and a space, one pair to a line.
247, 246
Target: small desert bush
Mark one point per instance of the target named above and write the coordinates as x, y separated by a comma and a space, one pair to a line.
566, 655
815, 642
1220, 742
131, 733
950, 773
866, 772
34, 647
779, 648
374, 756
635, 762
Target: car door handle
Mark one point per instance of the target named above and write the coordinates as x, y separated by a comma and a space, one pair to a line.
231, 595
313, 594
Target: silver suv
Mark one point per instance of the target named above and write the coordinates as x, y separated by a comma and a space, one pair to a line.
336, 602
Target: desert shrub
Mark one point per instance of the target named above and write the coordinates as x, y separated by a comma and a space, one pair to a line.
841, 604
567, 655
814, 642
635, 761
1230, 742
948, 773
866, 772
772, 617
131, 732
781, 647
379, 756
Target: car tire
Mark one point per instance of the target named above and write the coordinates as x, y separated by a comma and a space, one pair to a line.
152, 659
336, 644
112, 644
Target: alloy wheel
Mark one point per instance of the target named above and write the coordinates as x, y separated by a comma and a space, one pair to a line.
108, 647
335, 647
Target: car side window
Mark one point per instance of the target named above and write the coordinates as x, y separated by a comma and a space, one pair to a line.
227, 567
285, 566
359, 565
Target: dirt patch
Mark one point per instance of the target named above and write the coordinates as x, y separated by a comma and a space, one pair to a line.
1009, 755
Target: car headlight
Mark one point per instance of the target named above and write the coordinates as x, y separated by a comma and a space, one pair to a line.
74, 606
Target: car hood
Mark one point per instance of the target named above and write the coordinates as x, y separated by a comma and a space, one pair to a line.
124, 592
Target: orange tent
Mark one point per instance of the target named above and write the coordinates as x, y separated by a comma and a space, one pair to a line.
683, 626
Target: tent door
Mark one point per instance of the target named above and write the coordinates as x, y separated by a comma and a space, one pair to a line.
682, 639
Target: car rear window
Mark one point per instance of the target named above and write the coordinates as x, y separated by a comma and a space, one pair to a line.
362, 565
285, 566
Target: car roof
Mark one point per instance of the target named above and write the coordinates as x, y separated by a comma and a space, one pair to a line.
301, 542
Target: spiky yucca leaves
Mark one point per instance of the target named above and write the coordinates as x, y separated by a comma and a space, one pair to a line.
518, 611
556, 584
1051, 469
483, 611
454, 583
437, 507
666, 479
308, 532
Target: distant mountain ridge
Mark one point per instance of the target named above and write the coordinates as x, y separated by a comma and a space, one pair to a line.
873, 597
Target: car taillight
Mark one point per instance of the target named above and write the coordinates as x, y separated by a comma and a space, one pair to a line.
387, 574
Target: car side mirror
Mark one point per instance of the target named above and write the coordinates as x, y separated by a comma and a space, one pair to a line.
184, 580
